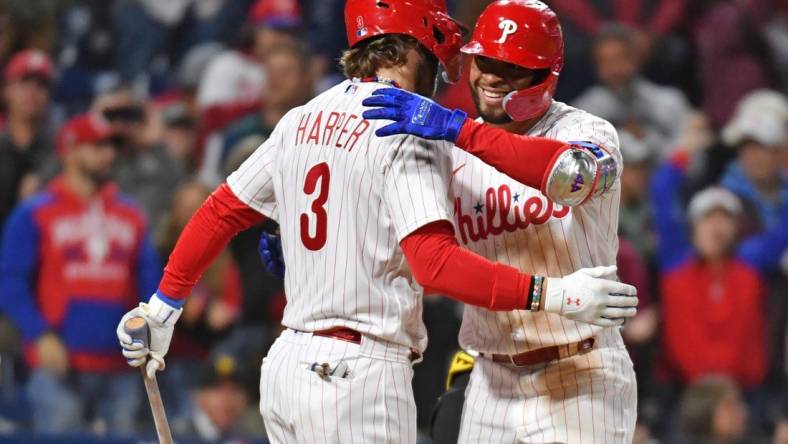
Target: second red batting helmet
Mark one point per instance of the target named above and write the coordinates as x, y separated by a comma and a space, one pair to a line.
524, 33
426, 21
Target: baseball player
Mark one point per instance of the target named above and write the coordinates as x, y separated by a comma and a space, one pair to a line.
545, 209
366, 230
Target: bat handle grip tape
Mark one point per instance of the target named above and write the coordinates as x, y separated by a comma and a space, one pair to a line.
137, 328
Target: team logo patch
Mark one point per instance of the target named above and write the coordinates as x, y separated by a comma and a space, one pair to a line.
508, 27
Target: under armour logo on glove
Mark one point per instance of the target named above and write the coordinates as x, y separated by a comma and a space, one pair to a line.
571, 301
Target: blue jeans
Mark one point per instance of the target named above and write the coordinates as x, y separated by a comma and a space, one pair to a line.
63, 406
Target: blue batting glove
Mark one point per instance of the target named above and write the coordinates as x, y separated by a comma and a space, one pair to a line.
270, 249
413, 114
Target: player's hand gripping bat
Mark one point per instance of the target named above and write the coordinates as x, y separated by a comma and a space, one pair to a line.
137, 328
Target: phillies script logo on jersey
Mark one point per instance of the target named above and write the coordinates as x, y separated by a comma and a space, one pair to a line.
503, 211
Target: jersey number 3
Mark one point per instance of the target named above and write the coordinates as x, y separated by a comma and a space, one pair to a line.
318, 173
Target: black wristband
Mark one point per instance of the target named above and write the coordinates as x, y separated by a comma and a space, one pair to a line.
529, 300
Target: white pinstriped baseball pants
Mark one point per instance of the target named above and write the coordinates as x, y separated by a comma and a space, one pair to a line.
373, 404
586, 398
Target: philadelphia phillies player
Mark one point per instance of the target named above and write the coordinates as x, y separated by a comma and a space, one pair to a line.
544, 209
366, 230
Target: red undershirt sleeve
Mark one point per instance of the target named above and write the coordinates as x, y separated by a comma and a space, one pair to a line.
441, 266
207, 233
523, 158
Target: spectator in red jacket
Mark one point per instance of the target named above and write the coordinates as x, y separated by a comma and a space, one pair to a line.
712, 303
75, 257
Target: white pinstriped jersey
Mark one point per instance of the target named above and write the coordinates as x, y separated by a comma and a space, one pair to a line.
344, 200
506, 221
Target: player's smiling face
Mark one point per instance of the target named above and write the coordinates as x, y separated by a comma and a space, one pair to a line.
490, 81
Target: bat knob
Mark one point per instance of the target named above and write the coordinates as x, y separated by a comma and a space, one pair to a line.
137, 328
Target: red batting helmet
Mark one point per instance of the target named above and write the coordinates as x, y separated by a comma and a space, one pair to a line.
425, 20
524, 33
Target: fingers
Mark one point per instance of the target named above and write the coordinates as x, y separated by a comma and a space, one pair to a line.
134, 345
382, 113
136, 358
134, 351
392, 92
384, 101
123, 337
622, 301
135, 354
276, 245
154, 364
616, 312
600, 272
605, 322
136, 362
617, 288
389, 130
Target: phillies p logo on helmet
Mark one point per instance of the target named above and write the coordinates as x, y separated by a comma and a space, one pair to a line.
508, 28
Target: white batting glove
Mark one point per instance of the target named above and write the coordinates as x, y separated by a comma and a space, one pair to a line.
588, 296
161, 316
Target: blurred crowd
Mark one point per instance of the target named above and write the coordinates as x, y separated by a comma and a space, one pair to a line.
119, 117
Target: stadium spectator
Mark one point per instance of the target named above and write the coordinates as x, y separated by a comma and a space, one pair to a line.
324, 26
181, 134
758, 133
635, 220
656, 24
26, 24
220, 402
712, 301
74, 258
734, 57
208, 316
653, 114
712, 412
233, 81
148, 28
289, 85
657, 18
144, 169
25, 142
721, 266
215, 302
277, 23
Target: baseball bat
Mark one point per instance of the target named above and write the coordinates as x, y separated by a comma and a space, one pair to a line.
137, 328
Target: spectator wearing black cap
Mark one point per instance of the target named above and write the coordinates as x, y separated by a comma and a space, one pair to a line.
181, 134
220, 402
144, 168
25, 142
